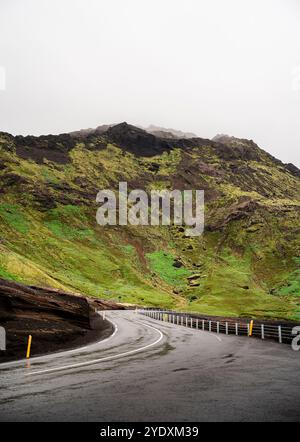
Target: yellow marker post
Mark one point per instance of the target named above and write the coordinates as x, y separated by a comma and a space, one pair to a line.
29, 347
251, 328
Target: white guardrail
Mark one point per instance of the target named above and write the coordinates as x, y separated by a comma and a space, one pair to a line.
280, 333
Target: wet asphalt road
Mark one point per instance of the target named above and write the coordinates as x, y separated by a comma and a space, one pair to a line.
154, 371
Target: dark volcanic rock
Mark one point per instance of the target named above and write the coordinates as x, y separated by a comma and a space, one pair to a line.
55, 319
293, 169
51, 147
136, 140
240, 150
142, 143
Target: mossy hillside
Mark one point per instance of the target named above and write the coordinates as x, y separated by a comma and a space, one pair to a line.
230, 286
69, 253
246, 262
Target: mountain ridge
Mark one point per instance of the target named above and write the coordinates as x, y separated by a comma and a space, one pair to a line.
130, 133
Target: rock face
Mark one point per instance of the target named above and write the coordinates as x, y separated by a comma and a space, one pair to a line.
136, 140
55, 319
293, 169
45, 147
146, 144
49, 236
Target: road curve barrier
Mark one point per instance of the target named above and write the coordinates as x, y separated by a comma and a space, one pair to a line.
284, 334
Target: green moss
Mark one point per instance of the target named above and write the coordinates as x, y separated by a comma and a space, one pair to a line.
50, 176
162, 264
62, 230
69, 222
69, 213
7, 275
292, 284
167, 162
13, 216
128, 249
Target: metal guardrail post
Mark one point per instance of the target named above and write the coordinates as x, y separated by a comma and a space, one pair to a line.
275, 332
29, 347
280, 334
251, 328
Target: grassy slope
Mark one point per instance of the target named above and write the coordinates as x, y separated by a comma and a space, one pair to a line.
250, 266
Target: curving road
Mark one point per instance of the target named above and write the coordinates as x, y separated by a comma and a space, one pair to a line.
153, 371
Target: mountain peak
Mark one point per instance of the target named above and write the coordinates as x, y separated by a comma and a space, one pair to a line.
169, 133
133, 138
124, 127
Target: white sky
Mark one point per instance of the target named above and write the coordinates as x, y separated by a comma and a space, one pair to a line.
206, 66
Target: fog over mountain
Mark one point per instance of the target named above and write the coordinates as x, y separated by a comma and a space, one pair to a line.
200, 66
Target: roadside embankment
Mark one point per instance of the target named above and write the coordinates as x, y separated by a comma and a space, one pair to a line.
55, 319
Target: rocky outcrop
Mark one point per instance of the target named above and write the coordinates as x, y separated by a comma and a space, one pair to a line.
293, 169
235, 212
55, 319
240, 210
50, 147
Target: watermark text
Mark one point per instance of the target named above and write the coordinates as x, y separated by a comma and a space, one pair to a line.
158, 208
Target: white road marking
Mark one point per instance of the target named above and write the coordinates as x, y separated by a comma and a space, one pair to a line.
108, 358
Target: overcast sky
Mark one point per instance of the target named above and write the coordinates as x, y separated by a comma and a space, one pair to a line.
206, 66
